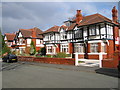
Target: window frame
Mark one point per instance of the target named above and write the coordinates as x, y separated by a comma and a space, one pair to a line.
79, 48
94, 47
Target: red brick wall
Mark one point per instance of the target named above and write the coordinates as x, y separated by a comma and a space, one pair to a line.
81, 56
111, 63
58, 48
110, 49
88, 48
104, 56
93, 57
71, 48
65, 61
99, 47
38, 48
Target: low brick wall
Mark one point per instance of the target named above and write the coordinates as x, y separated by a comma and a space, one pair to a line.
65, 61
111, 63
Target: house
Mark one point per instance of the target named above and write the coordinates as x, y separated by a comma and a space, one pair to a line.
24, 37
9, 39
90, 36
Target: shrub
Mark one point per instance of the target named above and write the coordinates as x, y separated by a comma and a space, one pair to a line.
32, 48
48, 56
61, 55
68, 55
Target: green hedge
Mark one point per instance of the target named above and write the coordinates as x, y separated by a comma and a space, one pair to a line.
61, 55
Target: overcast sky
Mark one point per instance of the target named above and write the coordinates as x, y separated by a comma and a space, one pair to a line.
25, 15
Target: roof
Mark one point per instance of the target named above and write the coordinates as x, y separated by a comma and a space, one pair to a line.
71, 27
64, 27
28, 32
10, 36
92, 19
52, 29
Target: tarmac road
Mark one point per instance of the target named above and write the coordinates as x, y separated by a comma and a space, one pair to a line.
39, 76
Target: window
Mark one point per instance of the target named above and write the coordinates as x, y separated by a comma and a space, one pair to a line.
63, 36
92, 30
41, 42
103, 47
94, 47
103, 30
20, 41
49, 49
79, 48
78, 33
64, 48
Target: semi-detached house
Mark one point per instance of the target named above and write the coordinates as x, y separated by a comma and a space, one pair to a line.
9, 39
24, 37
89, 36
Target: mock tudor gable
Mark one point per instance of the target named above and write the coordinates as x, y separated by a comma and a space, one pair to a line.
24, 37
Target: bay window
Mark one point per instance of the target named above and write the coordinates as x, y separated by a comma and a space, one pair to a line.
103, 47
79, 48
49, 49
94, 47
64, 48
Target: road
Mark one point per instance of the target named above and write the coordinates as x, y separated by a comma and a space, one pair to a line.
21, 75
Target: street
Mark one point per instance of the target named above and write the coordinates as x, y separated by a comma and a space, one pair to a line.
22, 75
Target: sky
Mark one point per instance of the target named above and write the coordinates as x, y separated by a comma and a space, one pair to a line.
26, 15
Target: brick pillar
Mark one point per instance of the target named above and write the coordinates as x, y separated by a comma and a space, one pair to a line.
34, 36
88, 50
26, 51
58, 48
99, 47
71, 48
110, 49
115, 36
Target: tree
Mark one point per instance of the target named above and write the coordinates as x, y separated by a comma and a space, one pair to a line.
32, 48
0, 42
3, 46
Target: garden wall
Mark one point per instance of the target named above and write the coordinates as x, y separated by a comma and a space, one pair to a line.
111, 63
65, 61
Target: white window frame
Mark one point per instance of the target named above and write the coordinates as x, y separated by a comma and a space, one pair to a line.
103, 47
79, 47
94, 47
52, 47
49, 49
92, 30
65, 48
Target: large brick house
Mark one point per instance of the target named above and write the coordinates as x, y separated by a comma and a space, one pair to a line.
24, 37
89, 36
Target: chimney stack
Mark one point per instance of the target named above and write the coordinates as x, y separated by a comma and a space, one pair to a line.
34, 32
114, 14
79, 16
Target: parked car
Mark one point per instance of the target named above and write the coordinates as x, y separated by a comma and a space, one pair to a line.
9, 58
